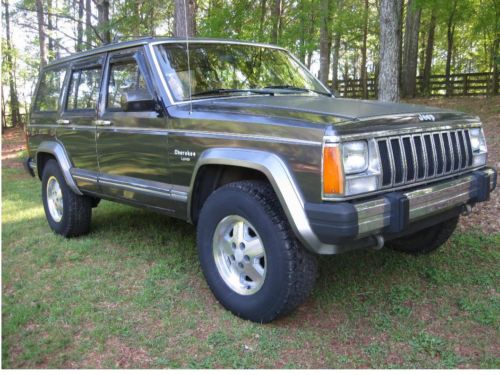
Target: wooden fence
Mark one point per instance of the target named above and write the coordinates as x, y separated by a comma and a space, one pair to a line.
469, 84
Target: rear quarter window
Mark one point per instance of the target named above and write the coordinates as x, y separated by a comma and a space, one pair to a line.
49, 90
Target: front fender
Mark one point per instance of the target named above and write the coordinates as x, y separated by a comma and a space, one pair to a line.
281, 179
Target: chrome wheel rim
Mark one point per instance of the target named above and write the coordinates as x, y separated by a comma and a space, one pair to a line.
239, 255
54, 199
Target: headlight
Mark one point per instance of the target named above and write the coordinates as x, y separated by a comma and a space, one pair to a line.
350, 168
475, 138
360, 185
478, 145
355, 157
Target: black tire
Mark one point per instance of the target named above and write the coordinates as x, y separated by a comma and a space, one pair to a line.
426, 240
290, 269
76, 209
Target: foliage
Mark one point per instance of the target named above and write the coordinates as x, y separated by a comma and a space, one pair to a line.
476, 26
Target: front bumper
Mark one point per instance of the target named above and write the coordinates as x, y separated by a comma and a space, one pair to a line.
349, 225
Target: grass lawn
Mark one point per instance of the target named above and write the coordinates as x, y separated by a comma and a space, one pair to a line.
131, 294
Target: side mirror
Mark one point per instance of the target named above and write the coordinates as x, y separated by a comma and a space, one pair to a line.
137, 100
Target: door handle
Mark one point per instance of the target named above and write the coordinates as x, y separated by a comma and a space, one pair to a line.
62, 122
102, 122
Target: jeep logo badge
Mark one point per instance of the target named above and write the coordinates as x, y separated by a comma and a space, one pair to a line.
426, 117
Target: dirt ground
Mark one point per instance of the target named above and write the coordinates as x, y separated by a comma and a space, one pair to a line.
484, 217
12, 144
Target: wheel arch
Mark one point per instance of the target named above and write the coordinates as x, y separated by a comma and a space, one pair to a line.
263, 165
54, 150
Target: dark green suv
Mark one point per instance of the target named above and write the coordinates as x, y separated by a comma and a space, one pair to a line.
241, 140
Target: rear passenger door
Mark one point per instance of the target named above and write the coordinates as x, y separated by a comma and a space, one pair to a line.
77, 126
46, 106
131, 142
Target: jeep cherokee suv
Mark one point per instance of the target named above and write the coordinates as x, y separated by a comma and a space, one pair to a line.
241, 140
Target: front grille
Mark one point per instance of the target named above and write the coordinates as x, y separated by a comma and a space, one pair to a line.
413, 158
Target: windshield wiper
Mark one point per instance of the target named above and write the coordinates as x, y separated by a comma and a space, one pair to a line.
229, 91
295, 88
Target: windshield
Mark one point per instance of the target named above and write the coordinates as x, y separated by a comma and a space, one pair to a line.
233, 69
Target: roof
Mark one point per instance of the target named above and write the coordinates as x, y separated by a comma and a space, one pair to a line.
147, 40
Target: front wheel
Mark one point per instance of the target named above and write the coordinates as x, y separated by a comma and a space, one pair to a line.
250, 257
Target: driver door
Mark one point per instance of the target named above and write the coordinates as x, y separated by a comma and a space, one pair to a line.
131, 142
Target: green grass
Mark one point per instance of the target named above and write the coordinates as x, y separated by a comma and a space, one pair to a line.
131, 294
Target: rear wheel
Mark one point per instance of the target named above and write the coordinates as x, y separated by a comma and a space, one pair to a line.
250, 257
426, 240
68, 214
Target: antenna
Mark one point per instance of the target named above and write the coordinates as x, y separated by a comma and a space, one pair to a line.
187, 52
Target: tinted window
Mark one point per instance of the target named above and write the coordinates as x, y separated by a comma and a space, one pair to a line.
84, 89
123, 77
47, 98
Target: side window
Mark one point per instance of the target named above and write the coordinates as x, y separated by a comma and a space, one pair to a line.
124, 77
49, 90
83, 89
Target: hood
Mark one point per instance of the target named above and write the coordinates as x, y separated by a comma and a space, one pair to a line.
323, 110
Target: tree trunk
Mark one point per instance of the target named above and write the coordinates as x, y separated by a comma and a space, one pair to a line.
410, 52
14, 101
309, 60
50, 31
79, 26
185, 18
4, 111
311, 31
302, 40
401, 10
346, 73
364, 74
421, 57
355, 64
429, 51
335, 61
88, 23
276, 18
281, 23
388, 80
103, 21
262, 19
41, 33
496, 62
324, 42
450, 33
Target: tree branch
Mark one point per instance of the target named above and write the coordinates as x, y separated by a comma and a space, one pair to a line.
64, 16
47, 13
34, 28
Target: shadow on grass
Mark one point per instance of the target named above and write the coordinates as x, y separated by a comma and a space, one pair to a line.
357, 273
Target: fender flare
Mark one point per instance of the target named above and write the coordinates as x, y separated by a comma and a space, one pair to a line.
57, 150
281, 179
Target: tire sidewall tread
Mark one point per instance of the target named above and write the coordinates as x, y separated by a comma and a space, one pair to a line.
290, 270
77, 209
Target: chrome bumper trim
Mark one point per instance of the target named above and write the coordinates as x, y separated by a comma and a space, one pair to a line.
374, 215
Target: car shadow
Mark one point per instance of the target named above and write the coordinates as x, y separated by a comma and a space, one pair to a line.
343, 279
